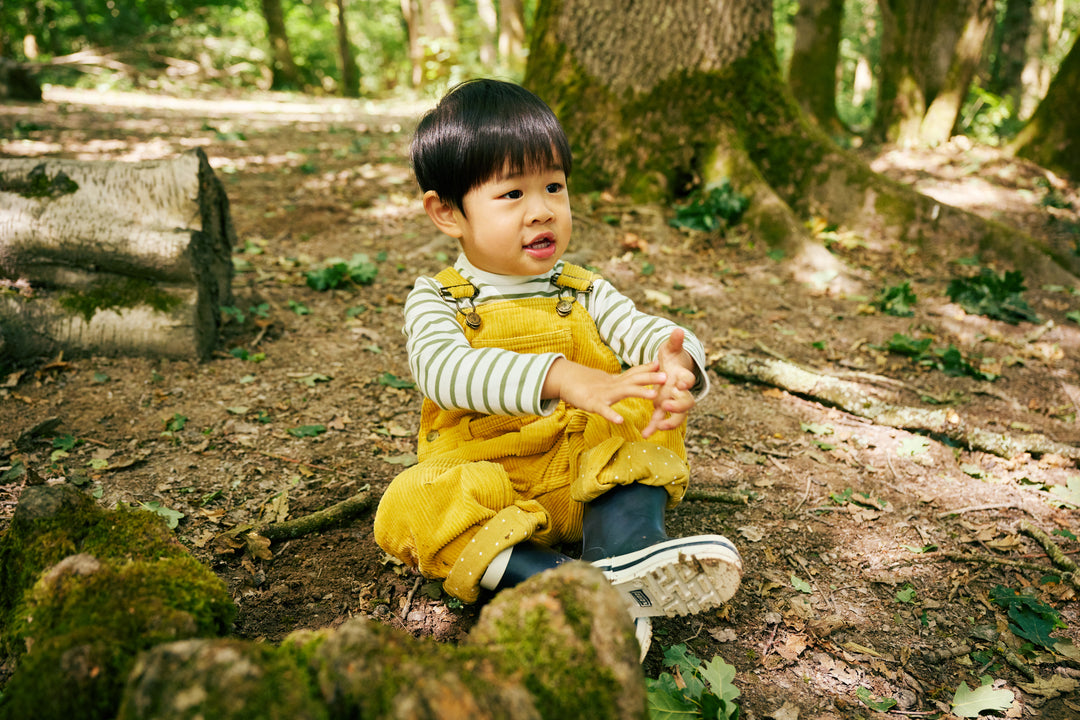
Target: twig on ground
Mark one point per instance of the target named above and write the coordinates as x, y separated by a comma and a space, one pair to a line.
717, 496
977, 508
1013, 659
294, 461
936, 656
409, 597
327, 517
1066, 577
1056, 555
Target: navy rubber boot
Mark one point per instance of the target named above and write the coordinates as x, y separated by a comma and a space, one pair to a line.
623, 535
519, 563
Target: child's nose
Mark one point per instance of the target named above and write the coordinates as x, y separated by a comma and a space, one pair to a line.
540, 210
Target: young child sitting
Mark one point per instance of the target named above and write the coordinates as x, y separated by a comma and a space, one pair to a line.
532, 435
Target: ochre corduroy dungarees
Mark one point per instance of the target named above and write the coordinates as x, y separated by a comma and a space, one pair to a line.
486, 482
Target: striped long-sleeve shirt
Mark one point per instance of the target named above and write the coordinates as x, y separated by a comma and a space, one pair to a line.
455, 375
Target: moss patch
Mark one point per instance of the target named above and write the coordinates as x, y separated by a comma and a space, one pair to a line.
38, 184
118, 294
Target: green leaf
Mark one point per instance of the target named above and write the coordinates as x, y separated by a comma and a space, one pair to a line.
801, 585
303, 431
405, 460
1032, 619
299, 308
1070, 493
1073, 315
816, 429
994, 296
66, 442
972, 703
176, 423
897, 300
907, 595
912, 446
669, 703
391, 380
721, 677
881, 705
172, 517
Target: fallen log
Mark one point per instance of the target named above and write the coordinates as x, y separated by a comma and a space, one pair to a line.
119, 258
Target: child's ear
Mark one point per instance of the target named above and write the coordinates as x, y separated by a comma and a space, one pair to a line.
442, 214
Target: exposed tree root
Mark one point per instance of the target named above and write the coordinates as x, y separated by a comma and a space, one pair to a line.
717, 496
1066, 577
868, 402
1059, 558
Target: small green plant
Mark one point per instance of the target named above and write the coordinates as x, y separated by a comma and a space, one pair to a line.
694, 689
714, 207
896, 300
337, 272
948, 360
996, 297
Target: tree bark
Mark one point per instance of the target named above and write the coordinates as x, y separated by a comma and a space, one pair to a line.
489, 21
511, 33
661, 97
119, 258
1010, 41
944, 110
284, 72
928, 48
1052, 136
350, 73
814, 59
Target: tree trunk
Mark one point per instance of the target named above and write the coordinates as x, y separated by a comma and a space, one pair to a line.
1052, 136
410, 14
511, 33
661, 97
285, 74
928, 48
1010, 41
814, 59
350, 73
119, 258
944, 110
489, 21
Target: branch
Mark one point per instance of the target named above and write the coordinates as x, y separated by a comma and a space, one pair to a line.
327, 517
858, 399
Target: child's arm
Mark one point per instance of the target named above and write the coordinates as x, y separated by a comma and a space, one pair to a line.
596, 391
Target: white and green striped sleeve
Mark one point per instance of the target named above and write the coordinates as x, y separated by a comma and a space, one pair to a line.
455, 375
636, 337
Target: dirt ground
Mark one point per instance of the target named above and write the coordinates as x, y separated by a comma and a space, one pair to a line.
870, 552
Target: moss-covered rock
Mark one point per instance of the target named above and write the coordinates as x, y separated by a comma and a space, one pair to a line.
84, 591
560, 645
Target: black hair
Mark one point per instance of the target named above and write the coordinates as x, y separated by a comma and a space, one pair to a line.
480, 129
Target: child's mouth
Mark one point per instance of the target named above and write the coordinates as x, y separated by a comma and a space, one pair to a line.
541, 248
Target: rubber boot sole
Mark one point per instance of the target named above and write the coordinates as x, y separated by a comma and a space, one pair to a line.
677, 577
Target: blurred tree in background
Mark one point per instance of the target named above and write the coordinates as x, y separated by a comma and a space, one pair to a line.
897, 70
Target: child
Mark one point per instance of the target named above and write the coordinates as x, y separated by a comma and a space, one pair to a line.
531, 434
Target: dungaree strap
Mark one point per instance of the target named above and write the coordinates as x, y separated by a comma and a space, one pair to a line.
455, 288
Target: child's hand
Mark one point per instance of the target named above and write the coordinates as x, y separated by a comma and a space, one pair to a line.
596, 391
674, 399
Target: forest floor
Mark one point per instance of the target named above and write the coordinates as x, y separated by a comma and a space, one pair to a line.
874, 557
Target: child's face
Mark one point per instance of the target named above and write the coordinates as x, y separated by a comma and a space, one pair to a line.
516, 224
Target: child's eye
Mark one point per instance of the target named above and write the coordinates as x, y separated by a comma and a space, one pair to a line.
554, 187
513, 195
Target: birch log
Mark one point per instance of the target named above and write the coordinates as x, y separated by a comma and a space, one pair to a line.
120, 258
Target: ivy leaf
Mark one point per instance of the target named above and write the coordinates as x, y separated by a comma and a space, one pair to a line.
721, 677
972, 703
801, 585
